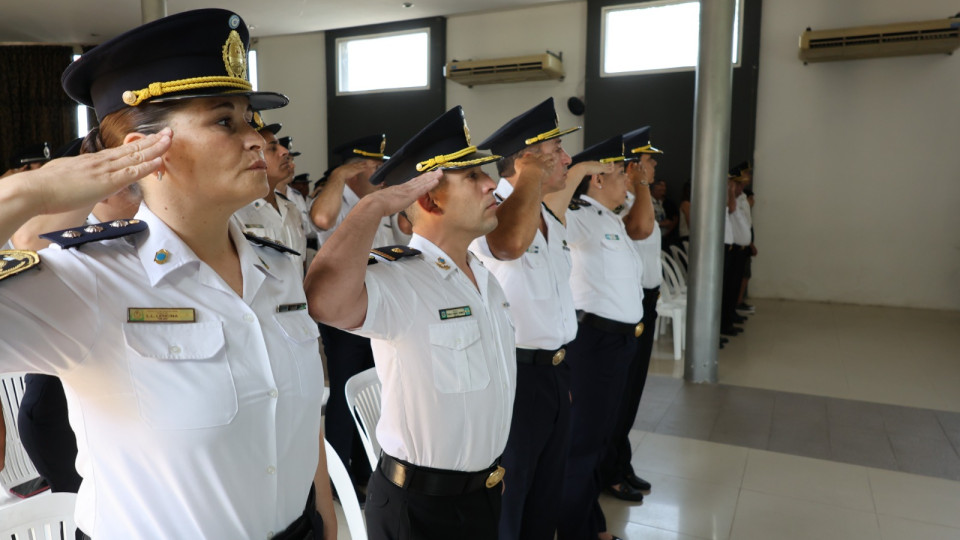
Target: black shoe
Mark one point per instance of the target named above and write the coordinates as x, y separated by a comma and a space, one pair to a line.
625, 492
731, 330
739, 319
724, 341
636, 482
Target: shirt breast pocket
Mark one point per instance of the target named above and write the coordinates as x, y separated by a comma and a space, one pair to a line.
459, 364
618, 259
181, 375
535, 267
301, 335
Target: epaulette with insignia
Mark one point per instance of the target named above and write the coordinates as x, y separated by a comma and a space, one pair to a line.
393, 253
77, 236
267, 242
576, 204
498, 198
14, 261
281, 195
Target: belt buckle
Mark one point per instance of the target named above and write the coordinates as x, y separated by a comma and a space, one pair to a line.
638, 329
495, 476
558, 357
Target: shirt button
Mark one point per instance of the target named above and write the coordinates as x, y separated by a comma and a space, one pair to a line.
274, 393
248, 317
271, 469
174, 349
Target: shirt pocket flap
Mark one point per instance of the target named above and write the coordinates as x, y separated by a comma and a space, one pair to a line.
455, 335
175, 341
298, 326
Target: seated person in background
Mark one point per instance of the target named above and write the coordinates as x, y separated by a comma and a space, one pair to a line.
441, 333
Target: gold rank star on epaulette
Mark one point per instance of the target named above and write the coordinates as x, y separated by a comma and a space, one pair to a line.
267, 242
14, 261
77, 236
394, 253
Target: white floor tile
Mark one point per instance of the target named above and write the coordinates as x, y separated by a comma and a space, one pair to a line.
691, 459
762, 516
813, 480
894, 528
915, 497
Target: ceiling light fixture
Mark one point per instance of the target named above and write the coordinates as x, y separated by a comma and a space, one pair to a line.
407, 4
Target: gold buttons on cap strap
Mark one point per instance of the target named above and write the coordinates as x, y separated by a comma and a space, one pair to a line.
495, 476
638, 330
559, 356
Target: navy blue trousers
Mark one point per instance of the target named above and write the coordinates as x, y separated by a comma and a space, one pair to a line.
536, 453
46, 434
599, 363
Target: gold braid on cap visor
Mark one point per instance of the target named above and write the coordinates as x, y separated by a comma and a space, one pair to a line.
440, 161
647, 149
612, 159
367, 154
543, 136
157, 89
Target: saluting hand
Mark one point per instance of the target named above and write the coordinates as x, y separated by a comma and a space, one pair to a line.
349, 170
535, 166
69, 183
396, 198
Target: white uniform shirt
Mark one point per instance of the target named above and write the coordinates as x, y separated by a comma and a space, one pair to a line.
384, 235
260, 218
205, 429
648, 250
727, 226
448, 377
740, 221
303, 205
537, 284
607, 272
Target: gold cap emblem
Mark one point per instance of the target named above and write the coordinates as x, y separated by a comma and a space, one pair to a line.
234, 56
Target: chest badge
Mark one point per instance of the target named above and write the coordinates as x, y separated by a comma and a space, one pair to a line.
612, 236
161, 315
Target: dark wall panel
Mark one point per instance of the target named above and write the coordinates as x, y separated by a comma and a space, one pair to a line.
399, 114
666, 100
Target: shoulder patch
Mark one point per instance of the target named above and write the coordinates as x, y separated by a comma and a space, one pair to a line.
576, 204
268, 242
394, 253
96, 232
14, 261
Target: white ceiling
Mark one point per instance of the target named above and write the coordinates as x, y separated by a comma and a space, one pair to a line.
93, 21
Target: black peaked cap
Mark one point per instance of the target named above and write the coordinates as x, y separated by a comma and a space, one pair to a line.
533, 126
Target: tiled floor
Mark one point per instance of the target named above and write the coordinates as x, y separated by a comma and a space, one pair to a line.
862, 389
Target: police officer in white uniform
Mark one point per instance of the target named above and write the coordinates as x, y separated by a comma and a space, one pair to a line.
274, 217
736, 239
441, 333
615, 471
187, 355
528, 254
606, 288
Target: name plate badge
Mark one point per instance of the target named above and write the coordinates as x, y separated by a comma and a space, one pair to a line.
161, 315
455, 313
283, 308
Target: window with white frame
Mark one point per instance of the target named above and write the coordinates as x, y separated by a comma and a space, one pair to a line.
655, 37
384, 62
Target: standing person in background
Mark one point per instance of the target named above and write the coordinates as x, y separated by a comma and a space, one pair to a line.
605, 281
528, 254
666, 212
616, 472
745, 207
442, 337
684, 228
186, 353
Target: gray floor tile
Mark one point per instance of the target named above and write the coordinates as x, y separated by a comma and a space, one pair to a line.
910, 422
932, 457
950, 422
743, 428
848, 413
807, 437
862, 446
694, 425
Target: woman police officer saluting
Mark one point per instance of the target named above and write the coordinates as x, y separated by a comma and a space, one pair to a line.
187, 355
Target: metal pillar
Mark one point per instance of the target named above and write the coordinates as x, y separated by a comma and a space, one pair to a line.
152, 10
711, 146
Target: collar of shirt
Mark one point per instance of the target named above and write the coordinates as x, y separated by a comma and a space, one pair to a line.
182, 259
600, 207
504, 188
432, 253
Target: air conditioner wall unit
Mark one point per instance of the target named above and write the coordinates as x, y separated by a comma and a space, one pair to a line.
940, 36
537, 67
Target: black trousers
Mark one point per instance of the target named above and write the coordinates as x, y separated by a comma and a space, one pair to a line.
616, 462
395, 513
599, 363
536, 453
46, 434
734, 261
347, 355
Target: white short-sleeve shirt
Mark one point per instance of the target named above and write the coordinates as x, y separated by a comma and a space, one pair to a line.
537, 284
606, 272
204, 428
384, 235
648, 249
285, 225
444, 351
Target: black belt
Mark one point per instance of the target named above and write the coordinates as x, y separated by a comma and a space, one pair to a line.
541, 357
735, 247
438, 482
610, 325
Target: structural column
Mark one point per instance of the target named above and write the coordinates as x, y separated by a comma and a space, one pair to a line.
711, 147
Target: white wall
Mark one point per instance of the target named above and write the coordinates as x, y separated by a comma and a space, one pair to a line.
295, 66
857, 171
557, 28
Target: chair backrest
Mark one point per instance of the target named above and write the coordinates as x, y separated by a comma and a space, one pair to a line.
348, 497
672, 287
18, 468
46, 517
680, 256
363, 399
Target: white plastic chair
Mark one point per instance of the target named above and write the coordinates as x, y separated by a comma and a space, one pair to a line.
18, 467
363, 398
672, 305
348, 497
49, 517
674, 273
680, 256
